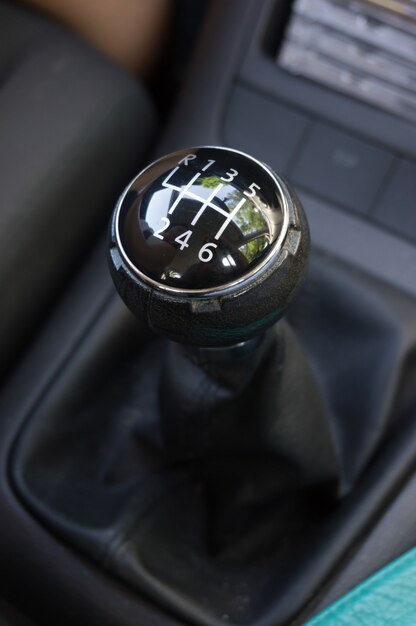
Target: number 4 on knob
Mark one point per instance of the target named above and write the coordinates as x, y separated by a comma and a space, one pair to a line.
183, 239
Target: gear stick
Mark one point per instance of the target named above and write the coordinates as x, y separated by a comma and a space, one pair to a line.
208, 246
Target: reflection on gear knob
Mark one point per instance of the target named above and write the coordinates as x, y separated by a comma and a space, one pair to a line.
207, 246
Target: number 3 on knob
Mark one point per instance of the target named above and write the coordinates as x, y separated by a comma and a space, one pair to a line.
230, 175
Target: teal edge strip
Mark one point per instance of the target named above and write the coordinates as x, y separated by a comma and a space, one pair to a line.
386, 599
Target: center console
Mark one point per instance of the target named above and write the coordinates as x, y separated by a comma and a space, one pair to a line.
253, 475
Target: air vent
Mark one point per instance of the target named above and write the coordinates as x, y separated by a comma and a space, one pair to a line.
366, 48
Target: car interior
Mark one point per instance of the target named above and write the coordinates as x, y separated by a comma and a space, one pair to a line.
208, 320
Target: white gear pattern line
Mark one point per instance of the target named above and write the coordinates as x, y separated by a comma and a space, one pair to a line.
205, 203
230, 218
208, 202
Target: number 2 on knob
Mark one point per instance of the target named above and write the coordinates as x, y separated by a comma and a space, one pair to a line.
164, 227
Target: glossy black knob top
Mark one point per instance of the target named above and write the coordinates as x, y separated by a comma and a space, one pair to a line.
195, 232
200, 220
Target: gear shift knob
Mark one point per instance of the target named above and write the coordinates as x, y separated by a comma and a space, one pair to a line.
207, 246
